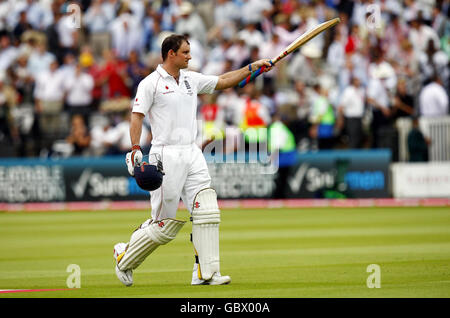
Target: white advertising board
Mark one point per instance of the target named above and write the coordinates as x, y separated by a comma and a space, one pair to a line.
421, 180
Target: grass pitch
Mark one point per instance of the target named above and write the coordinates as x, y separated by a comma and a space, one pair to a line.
269, 253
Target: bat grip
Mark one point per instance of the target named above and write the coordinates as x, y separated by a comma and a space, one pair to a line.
253, 75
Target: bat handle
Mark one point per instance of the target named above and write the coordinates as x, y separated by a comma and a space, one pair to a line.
253, 75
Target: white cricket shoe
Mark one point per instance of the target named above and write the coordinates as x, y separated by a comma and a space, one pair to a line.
126, 277
216, 279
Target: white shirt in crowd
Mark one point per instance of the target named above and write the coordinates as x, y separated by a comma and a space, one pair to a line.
352, 101
66, 29
125, 33
172, 107
378, 92
120, 136
79, 89
50, 86
433, 101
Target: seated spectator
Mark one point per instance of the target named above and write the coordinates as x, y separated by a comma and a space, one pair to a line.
79, 136
118, 137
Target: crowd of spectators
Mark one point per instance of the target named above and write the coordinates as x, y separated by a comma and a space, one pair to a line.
68, 76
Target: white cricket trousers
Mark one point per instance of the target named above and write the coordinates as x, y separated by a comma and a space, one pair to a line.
186, 173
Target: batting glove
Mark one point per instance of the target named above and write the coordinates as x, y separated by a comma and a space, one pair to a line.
133, 158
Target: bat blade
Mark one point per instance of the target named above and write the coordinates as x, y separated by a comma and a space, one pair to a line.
305, 37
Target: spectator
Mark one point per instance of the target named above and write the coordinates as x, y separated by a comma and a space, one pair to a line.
49, 97
136, 71
68, 33
252, 10
37, 15
380, 65
403, 104
226, 17
78, 87
322, 118
217, 56
8, 100
251, 35
351, 108
378, 99
39, 60
118, 137
433, 99
52, 35
281, 142
22, 26
305, 66
8, 53
271, 48
238, 52
190, 22
420, 34
97, 22
114, 74
125, 33
434, 61
79, 136
336, 54
417, 144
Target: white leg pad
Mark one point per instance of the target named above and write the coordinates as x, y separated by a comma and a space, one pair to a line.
205, 233
146, 239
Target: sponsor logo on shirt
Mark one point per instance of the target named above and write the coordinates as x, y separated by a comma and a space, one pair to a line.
168, 91
188, 86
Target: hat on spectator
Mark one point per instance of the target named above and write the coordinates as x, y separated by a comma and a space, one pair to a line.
86, 59
383, 71
312, 51
186, 8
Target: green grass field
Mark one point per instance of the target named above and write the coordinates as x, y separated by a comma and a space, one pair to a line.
269, 253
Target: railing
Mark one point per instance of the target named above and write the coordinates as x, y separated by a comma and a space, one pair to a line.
437, 129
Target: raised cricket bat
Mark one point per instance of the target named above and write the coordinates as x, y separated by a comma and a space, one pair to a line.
302, 39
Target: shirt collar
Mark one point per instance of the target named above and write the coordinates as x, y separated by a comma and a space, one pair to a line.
164, 73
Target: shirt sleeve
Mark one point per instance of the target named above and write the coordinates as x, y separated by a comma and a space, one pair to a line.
144, 98
206, 84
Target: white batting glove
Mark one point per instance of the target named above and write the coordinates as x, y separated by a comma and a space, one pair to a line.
136, 155
129, 164
133, 158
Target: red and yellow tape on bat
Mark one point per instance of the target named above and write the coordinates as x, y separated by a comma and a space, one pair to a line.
298, 42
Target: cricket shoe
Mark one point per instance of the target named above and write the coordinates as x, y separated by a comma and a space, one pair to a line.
216, 279
126, 277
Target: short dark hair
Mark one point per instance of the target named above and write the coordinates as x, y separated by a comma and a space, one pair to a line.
172, 42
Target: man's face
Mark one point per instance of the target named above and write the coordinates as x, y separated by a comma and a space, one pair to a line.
183, 55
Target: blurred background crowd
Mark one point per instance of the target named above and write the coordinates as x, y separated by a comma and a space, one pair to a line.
69, 71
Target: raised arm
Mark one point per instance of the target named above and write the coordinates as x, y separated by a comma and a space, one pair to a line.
233, 78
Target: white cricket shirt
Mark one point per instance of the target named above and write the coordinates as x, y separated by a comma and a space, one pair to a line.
172, 107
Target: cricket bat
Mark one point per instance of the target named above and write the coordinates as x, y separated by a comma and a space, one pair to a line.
302, 39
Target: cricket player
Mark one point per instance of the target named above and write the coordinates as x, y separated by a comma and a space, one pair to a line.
169, 97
